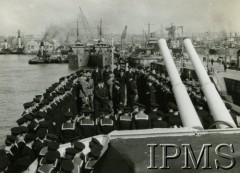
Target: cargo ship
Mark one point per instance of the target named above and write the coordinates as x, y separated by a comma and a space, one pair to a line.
94, 54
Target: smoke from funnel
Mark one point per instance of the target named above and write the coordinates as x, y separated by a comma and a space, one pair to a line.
54, 32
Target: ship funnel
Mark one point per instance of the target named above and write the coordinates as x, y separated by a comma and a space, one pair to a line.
215, 103
188, 114
5, 44
19, 40
41, 47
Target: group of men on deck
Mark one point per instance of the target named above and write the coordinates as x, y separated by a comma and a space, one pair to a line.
88, 103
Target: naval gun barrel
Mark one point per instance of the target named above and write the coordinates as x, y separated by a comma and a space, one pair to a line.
215, 103
188, 114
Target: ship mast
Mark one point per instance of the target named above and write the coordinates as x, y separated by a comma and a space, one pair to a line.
78, 40
100, 30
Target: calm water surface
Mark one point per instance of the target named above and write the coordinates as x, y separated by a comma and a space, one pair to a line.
19, 83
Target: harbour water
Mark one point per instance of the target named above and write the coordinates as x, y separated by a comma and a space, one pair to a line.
19, 83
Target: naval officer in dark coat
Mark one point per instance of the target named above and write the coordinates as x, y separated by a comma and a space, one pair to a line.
132, 92
116, 96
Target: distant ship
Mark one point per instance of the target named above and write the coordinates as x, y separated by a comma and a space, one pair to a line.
18, 50
91, 55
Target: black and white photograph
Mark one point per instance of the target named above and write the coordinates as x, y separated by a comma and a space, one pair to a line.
119, 86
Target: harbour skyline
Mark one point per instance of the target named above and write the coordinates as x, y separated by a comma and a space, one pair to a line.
33, 17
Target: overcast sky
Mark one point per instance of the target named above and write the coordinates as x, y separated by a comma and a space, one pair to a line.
34, 16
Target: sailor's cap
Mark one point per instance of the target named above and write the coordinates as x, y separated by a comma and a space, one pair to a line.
11, 138
71, 151
21, 121
52, 137
23, 129
15, 131
27, 105
41, 133
79, 146
30, 137
53, 146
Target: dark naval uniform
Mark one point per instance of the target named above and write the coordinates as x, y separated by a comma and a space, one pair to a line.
142, 121
175, 120
116, 72
116, 96
124, 122
68, 132
122, 81
106, 125
157, 121
87, 127
106, 74
131, 91
96, 76
100, 98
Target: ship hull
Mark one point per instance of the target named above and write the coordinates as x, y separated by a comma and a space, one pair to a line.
78, 60
101, 60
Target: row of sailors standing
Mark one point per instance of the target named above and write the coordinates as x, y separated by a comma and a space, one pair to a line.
124, 119
38, 125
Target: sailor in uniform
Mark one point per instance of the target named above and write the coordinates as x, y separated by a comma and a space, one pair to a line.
142, 120
67, 166
153, 113
49, 163
157, 120
79, 158
51, 146
87, 124
68, 129
19, 144
125, 120
39, 143
106, 123
9, 143
27, 150
70, 154
174, 119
